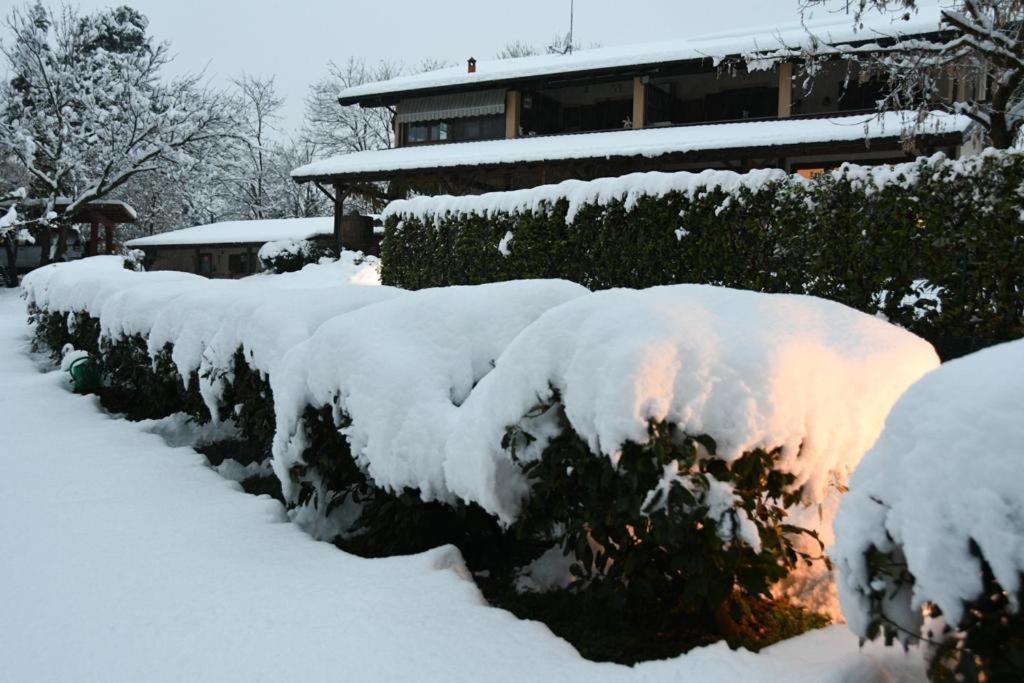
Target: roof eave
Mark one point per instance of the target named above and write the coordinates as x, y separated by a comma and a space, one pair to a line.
878, 143
389, 99
392, 98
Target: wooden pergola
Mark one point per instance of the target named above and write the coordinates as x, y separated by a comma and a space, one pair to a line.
105, 213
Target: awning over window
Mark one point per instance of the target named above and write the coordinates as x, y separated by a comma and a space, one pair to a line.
457, 106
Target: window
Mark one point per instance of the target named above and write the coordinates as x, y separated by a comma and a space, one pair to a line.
810, 172
455, 130
745, 103
237, 264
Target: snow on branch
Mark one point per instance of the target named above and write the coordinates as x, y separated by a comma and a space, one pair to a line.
973, 64
88, 108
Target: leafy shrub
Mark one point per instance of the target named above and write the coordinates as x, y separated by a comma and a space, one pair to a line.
986, 645
54, 329
927, 538
288, 256
133, 383
381, 523
134, 260
250, 400
989, 643
667, 530
935, 245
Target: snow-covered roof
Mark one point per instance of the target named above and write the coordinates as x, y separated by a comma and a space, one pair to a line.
648, 142
240, 232
115, 209
716, 46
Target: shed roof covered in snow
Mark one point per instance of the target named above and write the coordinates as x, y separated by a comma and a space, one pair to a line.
771, 137
630, 60
240, 232
112, 210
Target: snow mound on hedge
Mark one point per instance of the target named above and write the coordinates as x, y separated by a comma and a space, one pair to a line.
287, 247
946, 471
84, 285
750, 370
206, 320
352, 267
399, 370
265, 326
629, 188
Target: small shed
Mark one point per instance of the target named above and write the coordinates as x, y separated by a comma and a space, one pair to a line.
228, 249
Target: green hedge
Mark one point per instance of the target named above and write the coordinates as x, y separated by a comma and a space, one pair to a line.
866, 237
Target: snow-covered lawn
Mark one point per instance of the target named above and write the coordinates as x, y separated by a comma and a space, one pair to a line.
123, 558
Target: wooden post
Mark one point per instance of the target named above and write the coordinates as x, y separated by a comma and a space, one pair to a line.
398, 131
108, 233
92, 248
513, 98
785, 90
339, 213
639, 103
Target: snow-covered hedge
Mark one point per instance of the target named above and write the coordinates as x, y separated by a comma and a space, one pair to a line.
934, 245
393, 377
931, 535
288, 256
717, 418
169, 341
682, 445
731, 414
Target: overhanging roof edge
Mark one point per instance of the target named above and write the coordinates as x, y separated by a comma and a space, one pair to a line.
783, 149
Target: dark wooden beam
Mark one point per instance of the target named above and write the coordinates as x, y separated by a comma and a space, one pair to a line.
340, 193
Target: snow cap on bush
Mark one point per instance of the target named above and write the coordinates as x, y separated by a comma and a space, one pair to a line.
85, 285
399, 370
945, 473
269, 323
289, 255
750, 370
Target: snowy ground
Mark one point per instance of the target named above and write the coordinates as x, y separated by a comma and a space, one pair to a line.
123, 558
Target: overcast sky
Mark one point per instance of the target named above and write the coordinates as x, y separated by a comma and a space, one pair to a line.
295, 39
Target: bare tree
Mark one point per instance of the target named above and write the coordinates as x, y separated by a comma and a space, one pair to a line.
298, 201
973, 66
515, 50
334, 129
431, 64
248, 173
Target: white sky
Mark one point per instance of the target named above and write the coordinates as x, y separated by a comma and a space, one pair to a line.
295, 39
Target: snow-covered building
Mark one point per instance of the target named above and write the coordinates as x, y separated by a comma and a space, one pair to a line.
726, 101
228, 249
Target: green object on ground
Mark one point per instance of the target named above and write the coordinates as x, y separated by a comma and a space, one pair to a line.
84, 375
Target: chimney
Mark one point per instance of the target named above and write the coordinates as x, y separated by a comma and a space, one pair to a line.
471, 65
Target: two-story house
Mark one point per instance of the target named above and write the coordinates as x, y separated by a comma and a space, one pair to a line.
707, 102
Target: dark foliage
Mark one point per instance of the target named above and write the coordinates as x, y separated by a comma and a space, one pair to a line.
663, 557
395, 523
988, 643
